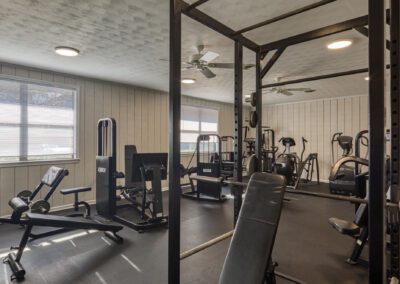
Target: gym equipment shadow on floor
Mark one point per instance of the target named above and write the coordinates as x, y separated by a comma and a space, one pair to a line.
306, 248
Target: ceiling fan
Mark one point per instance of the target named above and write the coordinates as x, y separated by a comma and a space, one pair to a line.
202, 62
289, 91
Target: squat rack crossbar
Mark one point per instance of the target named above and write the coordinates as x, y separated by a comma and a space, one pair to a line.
375, 20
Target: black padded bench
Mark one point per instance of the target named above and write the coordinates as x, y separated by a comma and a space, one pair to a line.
249, 255
76, 191
29, 220
357, 229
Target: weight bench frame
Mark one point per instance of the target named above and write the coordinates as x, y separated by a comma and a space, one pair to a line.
77, 203
66, 223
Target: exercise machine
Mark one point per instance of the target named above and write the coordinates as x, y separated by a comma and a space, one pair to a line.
227, 156
22, 217
139, 169
358, 228
269, 150
286, 163
51, 180
307, 166
344, 184
209, 164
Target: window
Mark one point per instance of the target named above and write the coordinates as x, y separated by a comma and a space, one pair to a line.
195, 121
37, 121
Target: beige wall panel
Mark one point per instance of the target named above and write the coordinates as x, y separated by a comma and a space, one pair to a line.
317, 121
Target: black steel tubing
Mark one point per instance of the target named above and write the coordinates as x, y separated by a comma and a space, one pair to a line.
217, 26
315, 34
174, 143
259, 135
376, 197
284, 16
238, 108
315, 78
393, 216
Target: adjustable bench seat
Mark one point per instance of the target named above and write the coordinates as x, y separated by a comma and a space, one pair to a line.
344, 227
66, 191
249, 254
216, 180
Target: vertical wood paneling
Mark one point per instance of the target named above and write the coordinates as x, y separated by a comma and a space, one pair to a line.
317, 121
142, 119
7, 187
90, 132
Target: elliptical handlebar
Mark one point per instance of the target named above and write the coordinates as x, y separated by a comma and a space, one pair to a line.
304, 148
335, 136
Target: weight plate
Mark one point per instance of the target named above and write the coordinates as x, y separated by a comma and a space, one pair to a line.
40, 206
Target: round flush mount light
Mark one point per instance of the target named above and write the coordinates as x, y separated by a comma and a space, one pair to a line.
339, 44
366, 78
188, 81
66, 51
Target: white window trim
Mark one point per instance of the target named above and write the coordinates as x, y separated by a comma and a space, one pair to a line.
75, 88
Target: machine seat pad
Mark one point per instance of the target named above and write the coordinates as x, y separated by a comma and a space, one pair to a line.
344, 227
47, 220
217, 180
66, 191
253, 240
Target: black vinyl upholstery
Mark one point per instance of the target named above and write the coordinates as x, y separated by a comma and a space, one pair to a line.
52, 175
65, 191
250, 250
344, 227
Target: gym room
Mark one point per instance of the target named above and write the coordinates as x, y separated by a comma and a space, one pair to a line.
199, 141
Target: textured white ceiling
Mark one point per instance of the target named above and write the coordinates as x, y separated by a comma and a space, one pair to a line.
124, 40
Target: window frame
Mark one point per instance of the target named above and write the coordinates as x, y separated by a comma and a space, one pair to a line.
59, 85
199, 122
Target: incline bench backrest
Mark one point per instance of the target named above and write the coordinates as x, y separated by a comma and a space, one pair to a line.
52, 176
253, 240
52, 179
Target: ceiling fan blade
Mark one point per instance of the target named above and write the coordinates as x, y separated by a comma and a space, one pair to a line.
209, 56
222, 65
285, 92
207, 72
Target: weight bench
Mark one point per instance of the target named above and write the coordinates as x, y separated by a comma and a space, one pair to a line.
249, 254
29, 220
357, 229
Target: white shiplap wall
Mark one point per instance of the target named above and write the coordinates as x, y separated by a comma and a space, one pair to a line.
317, 121
142, 119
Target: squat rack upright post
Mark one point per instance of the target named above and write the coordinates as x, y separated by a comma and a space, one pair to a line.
174, 142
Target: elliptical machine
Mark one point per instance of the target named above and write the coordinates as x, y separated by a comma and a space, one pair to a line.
286, 163
344, 182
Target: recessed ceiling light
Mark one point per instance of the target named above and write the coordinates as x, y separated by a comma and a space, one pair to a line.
66, 51
339, 44
366, 78
188, 81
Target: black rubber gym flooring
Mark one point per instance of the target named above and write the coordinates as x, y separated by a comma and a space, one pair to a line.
306, 248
